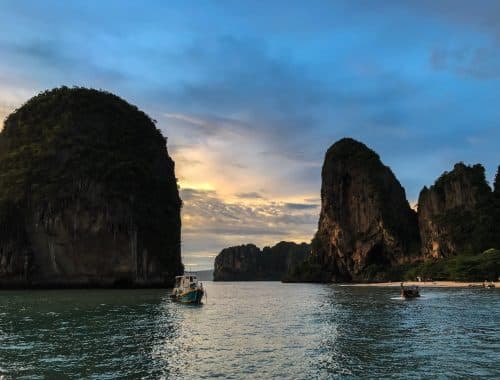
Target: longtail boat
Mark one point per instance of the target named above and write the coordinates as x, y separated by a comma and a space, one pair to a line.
409, 291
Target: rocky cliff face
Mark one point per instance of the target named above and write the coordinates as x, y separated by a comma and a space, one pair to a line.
366, 224
88, 195
456, 213
238, 263
249, 263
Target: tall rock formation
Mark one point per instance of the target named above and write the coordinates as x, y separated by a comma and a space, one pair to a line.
88, 194
366, 224
249, 263
456, 214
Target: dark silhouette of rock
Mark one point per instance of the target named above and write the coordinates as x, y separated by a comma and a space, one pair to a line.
496, 185
496, 210
366, 224
249, 263
88, 195
456, 214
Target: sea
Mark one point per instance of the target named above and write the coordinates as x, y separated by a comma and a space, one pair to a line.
251, 330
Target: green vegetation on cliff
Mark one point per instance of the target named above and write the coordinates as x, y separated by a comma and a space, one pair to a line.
84, 172
458, 212
485, 266
68, 134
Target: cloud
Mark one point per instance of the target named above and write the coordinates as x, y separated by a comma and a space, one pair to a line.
38, 51
301, 206
250, 195
207, 124
246, 231
273, 116
188, 194
481, 63
62, 64
482, 16
5, 110
206, 214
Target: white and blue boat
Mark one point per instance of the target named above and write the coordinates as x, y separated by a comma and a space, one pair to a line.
187, 289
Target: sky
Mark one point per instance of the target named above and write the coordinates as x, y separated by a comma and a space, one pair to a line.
251, 94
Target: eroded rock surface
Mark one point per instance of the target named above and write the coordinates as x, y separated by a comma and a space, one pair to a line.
366, 224
88, 195
456, 214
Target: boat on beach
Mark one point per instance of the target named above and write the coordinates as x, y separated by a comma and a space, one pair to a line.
488, 285
409, 291
188, 289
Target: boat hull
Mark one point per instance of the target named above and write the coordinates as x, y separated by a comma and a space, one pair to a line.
191, 296
410, 293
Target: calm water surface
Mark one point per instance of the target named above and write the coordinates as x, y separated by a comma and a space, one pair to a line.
250, 330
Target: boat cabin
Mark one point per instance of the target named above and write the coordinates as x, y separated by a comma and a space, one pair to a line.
187, 281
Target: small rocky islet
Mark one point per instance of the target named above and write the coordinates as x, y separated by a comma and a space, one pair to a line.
249, 263
89, 198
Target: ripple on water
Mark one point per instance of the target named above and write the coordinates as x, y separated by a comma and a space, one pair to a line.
250, 330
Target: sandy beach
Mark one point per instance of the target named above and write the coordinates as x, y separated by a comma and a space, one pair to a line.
429, 284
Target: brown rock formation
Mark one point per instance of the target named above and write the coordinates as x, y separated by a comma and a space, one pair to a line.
455, 214
366, 224
88, 195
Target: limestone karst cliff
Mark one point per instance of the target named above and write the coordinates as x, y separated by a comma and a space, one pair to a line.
367, 231
88, 194
366, 224
456, 214
249, 263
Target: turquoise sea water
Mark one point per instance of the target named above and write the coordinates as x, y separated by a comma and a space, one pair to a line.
250, 330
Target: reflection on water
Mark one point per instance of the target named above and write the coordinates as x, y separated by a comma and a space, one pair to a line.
255, 329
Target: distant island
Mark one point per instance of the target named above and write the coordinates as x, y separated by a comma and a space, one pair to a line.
205, 275
367, 231
250, 263
88, 195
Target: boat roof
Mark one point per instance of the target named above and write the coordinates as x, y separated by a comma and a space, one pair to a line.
186, 275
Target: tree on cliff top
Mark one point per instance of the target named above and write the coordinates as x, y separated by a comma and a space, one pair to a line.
496, 186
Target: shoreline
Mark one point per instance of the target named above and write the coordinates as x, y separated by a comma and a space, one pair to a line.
429, 284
